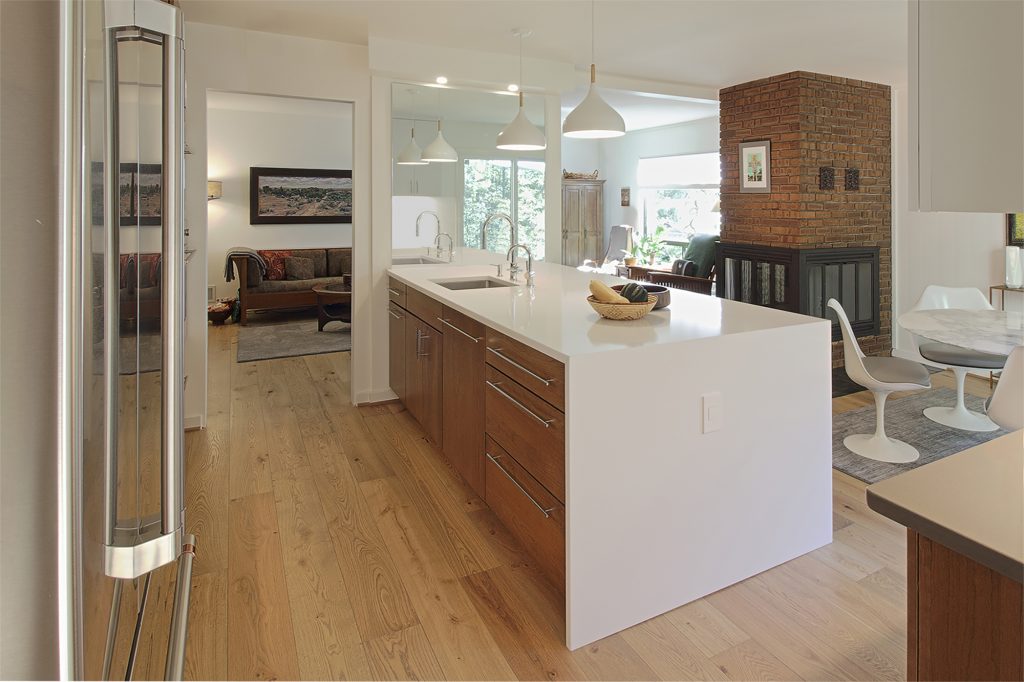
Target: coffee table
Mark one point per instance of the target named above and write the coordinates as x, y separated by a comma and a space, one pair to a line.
333, 303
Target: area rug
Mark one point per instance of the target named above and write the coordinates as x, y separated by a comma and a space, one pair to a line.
904, 421
290, 338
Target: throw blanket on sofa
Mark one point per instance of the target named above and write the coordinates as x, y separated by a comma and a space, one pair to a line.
252, 254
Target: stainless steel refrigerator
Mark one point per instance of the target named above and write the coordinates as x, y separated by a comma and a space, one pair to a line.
126, 554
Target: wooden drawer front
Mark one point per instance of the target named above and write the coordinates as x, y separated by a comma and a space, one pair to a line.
396, 292
454, 321
543, 375
530, 429
531, 514
424, 307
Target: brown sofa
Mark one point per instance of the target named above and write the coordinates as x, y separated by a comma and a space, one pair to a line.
274, 292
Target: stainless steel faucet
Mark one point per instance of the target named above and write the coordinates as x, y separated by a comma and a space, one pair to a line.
436, 220
513, 270
451, 245
500, 216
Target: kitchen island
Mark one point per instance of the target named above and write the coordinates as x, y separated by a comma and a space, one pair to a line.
643, 464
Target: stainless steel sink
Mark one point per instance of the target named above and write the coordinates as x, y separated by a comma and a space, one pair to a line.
474, 283
415, 260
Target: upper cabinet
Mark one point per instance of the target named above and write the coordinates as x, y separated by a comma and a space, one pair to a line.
967, 105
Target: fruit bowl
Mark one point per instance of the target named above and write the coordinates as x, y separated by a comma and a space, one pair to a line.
663, 294
622, 311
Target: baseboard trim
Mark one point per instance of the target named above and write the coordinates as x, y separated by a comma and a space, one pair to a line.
375, 397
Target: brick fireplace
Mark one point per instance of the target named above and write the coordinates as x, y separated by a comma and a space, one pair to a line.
825, 228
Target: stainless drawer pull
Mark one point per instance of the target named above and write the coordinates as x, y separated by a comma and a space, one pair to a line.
469, 336
497, 351
420, 336
395, 315
538, 505
546, 423
394, 292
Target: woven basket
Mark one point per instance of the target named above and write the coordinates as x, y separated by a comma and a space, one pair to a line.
622, 311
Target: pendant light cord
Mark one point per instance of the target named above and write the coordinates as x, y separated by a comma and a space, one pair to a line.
593, 23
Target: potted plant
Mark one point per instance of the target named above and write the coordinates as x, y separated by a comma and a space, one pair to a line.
651, 246
631, 251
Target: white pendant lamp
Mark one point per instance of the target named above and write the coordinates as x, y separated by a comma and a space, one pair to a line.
411, 154
520, 134
439, 149
593, 118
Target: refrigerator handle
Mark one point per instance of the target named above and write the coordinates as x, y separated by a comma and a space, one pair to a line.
143, 545
175, 666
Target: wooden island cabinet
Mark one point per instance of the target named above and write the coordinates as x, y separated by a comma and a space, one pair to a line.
495, 408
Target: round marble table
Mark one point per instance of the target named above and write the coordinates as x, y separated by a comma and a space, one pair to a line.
987, 331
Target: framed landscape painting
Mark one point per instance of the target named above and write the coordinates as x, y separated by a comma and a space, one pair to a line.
281, 196
1015, 229
756, 167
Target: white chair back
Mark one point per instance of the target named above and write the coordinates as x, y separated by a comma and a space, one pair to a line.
1007, 405
619, 240
853, 357
937, 297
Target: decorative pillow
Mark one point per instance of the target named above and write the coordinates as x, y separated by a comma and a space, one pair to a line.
319, 258
339, 262
298, 268
149, 270
275, 263
684, 267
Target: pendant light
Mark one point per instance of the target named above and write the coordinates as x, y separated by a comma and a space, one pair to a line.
520, 134
593, 117
411, 154
439, 149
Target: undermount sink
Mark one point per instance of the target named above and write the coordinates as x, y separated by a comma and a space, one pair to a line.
415, 260
474, 283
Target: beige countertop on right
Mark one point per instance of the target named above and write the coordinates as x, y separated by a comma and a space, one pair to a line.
971, 502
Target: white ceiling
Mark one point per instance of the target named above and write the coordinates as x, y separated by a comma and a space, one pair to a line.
703, 42
643, 110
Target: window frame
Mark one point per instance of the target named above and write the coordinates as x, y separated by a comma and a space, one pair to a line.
671, 186
492, 155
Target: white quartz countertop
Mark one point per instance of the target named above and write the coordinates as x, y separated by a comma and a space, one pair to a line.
555, 318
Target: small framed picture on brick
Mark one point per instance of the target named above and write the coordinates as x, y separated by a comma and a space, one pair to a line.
756, 167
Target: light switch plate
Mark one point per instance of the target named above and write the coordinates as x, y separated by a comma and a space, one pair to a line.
712, 412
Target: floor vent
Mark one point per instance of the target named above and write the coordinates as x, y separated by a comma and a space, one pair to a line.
211, 294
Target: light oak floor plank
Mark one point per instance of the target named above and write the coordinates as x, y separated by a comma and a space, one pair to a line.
261, 636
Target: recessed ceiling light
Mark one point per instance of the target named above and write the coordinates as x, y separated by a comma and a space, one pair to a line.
441, 80
513, 88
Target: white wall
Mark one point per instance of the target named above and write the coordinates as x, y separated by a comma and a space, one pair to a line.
302, 137
620, 156
951, 249
405, 209
236, 60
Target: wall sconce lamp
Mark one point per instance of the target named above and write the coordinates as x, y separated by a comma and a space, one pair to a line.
214, 189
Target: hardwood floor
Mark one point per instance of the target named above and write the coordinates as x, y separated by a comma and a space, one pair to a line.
335, 543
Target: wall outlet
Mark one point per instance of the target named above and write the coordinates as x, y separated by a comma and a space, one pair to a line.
712, 412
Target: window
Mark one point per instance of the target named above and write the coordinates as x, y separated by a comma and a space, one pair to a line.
489, 186
681, 194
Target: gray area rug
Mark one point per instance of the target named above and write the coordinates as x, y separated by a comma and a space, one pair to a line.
291, 337
904, 421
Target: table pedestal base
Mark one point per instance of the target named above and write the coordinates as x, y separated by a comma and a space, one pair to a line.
881, 448
960, 417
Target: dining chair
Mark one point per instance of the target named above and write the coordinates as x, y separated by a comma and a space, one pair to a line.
1006, 406
960, 361
881, 376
